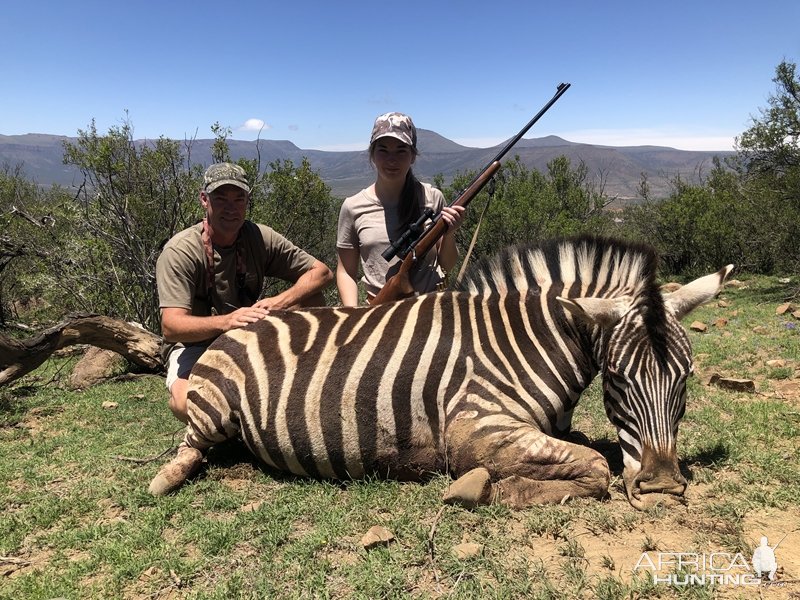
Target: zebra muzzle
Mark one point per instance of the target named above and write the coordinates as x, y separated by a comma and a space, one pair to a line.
662, 483
658, 474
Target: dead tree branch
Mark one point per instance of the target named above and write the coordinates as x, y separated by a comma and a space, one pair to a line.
137, 345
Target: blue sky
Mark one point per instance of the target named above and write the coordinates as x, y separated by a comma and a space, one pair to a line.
686, 74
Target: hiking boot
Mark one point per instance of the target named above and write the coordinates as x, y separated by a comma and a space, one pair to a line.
175, 473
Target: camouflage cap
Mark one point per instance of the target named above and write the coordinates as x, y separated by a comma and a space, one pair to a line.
396, 125
225, 174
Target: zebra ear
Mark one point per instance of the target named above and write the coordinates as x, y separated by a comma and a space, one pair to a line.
685, 299
597, 311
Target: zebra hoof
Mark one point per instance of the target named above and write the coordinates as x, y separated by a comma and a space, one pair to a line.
470, 490
175, 473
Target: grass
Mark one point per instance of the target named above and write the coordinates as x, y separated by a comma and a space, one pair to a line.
78, 521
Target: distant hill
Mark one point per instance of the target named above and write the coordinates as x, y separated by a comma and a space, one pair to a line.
618, 168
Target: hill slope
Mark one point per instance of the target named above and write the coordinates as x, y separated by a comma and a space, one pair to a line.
618, 169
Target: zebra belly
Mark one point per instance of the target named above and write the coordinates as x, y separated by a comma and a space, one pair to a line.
336, 448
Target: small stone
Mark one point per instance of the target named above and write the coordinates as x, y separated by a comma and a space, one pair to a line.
734, 283
776, 363
796, 314
698, 326
721, 322
252, 506
467, 550
109, 404
723, 304
783, 308
760, 329
377, 536
785, 280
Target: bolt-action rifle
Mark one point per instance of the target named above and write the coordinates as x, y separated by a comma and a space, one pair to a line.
417, 241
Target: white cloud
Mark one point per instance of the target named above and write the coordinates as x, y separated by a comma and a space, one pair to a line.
254, 125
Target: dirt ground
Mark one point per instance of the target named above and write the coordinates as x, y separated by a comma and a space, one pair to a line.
684, 528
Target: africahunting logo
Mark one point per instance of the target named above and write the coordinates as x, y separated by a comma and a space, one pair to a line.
713, 568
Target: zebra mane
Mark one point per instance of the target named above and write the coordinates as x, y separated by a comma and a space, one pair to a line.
574, 267
578, 266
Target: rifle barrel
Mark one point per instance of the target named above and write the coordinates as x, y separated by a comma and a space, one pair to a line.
562, 87
411, 238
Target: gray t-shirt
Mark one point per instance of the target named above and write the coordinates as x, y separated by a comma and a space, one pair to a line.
365, 224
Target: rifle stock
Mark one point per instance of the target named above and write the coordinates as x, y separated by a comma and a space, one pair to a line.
399, 285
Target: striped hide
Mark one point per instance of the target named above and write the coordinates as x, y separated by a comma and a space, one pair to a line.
480, 382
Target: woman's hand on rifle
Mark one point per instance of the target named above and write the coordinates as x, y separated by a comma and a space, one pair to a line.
453, 216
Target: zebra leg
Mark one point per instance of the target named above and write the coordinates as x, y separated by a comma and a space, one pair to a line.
521, 465
208, 424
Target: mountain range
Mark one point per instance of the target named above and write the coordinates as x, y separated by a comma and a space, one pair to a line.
618, 169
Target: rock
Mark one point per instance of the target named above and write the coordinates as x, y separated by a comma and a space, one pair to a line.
723, 304
467, 550
109, 404
470, 490
721, 322
776, 363
783, 308
785, 280
796, 314
95, 366
377, 536
698, 326
734, 283
252, 506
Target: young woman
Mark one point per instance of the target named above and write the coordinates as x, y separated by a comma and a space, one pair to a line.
378, 215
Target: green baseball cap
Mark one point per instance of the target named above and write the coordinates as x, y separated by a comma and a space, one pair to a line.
225, 174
